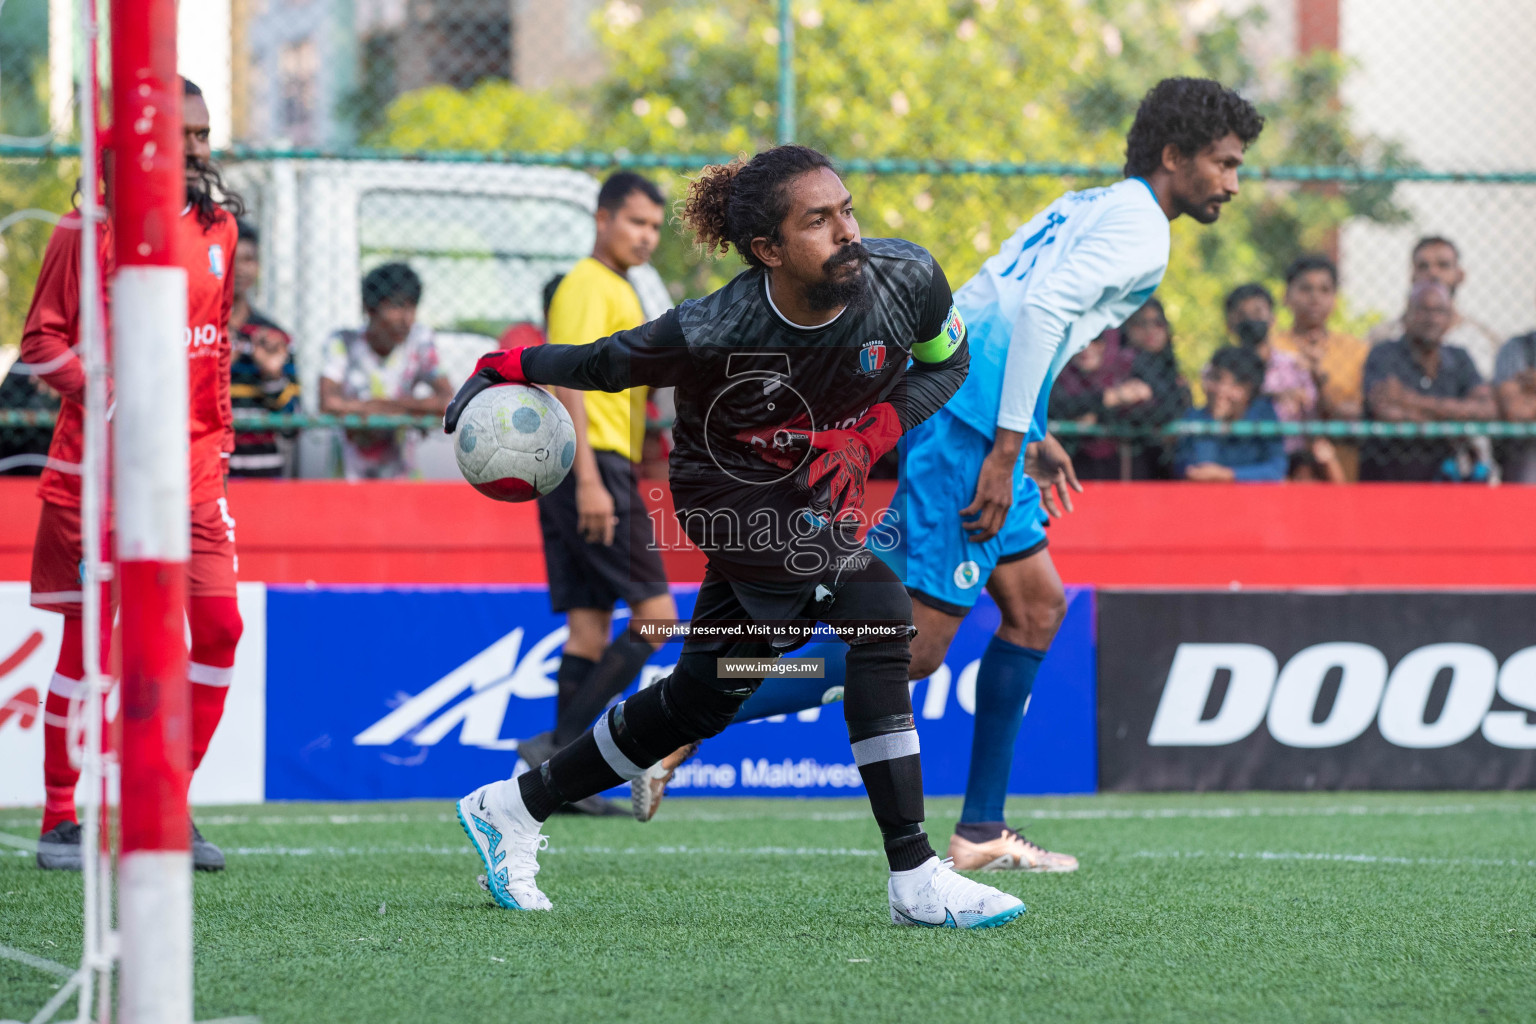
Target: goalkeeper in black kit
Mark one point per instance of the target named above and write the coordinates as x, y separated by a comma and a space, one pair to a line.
792, 381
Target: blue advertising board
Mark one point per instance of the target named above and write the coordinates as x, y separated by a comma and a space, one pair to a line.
391, 693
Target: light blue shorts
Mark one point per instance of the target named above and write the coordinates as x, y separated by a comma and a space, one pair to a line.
922, 537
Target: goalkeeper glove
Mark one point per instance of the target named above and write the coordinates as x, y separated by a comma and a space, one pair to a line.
838, 476
493, 368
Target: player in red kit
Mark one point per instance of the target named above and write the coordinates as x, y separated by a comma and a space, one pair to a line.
207, 245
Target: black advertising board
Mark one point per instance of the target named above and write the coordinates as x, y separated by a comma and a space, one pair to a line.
1297, 690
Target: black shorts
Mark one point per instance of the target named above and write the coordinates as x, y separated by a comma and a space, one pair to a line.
586, 575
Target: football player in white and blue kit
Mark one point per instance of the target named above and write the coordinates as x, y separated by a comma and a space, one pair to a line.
1083, 264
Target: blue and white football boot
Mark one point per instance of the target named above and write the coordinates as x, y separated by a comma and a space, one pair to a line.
508, 840
934, 896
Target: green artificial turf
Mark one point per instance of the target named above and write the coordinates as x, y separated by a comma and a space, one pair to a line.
1252, 907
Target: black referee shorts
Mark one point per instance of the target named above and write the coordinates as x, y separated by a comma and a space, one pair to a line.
585, 575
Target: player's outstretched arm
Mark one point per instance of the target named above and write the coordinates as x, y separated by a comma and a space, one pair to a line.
651, 355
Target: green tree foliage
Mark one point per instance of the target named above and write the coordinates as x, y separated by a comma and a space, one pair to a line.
987, 80
25, 184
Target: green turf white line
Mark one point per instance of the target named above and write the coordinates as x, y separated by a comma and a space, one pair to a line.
1341, 858
679, 810
21, 956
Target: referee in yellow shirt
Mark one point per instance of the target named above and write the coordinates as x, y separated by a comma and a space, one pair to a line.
599, 548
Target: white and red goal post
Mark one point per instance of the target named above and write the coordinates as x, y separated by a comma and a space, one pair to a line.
150, 482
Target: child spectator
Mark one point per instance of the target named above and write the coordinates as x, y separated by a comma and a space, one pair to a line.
1250, 313
1233, 381
262, 377
387, 368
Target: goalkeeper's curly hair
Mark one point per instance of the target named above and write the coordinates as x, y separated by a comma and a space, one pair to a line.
1190, 113
728, 205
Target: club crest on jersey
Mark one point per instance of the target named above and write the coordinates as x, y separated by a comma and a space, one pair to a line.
967, 575
872, 356
216, 260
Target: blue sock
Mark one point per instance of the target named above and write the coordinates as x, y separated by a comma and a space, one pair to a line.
784, 696
1003, 681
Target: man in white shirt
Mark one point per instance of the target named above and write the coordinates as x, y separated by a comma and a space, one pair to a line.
388, 368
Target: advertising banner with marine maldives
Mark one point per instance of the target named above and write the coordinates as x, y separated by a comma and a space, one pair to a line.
1307, 690
388, 693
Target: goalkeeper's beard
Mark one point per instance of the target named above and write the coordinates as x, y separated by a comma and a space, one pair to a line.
846, 290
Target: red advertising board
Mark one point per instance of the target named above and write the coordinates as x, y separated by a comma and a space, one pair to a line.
1122, 535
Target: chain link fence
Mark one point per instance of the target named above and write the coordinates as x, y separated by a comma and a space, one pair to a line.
467, 139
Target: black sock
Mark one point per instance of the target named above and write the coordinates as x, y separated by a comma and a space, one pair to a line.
571, 679
604, 680
878, 708
576, 772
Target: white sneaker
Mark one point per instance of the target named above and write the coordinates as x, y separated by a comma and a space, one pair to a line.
508, 840
933, 896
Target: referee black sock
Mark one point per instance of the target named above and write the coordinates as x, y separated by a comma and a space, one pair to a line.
603, 681
570, 680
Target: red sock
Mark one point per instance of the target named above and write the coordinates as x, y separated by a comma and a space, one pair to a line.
216, 629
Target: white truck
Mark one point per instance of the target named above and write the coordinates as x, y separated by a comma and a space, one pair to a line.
484, 237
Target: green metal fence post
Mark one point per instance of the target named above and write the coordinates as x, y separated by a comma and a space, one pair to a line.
786, 73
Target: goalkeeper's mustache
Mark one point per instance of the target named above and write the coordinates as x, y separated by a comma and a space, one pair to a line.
853, 252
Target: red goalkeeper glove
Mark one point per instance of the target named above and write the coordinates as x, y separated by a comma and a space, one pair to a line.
836, 478
493, 368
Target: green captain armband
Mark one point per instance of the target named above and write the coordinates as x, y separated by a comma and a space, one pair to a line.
938, 349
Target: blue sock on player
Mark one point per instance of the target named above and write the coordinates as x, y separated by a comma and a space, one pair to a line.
779, 696
1003, 682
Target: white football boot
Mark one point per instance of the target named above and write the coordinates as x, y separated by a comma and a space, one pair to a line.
508, 840
934, 896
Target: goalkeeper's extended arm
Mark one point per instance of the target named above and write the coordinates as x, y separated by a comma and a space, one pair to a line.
652, 354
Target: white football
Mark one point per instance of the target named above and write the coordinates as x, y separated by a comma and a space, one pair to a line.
515, 442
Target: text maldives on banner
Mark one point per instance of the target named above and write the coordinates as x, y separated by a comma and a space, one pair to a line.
1419, 690
422, 692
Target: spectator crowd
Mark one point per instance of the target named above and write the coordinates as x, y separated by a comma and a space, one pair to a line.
1433, 363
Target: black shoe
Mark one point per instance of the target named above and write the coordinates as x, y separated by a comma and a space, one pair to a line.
58, 849
205, 856
594, 806
535, 750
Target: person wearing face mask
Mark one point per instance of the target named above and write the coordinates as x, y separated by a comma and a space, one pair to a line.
1250, 311
1233, 380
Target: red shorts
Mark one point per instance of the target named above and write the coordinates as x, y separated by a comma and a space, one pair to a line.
58, 569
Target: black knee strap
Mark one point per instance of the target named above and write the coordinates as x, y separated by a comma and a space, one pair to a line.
864, 728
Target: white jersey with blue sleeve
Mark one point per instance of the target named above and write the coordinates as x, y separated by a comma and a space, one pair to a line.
1082, 265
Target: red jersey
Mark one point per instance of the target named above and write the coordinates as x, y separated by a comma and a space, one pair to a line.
53, 329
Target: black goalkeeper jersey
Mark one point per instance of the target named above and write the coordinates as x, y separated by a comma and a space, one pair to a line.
738, 365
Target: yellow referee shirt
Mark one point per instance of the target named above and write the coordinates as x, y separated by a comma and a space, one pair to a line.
593, 302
